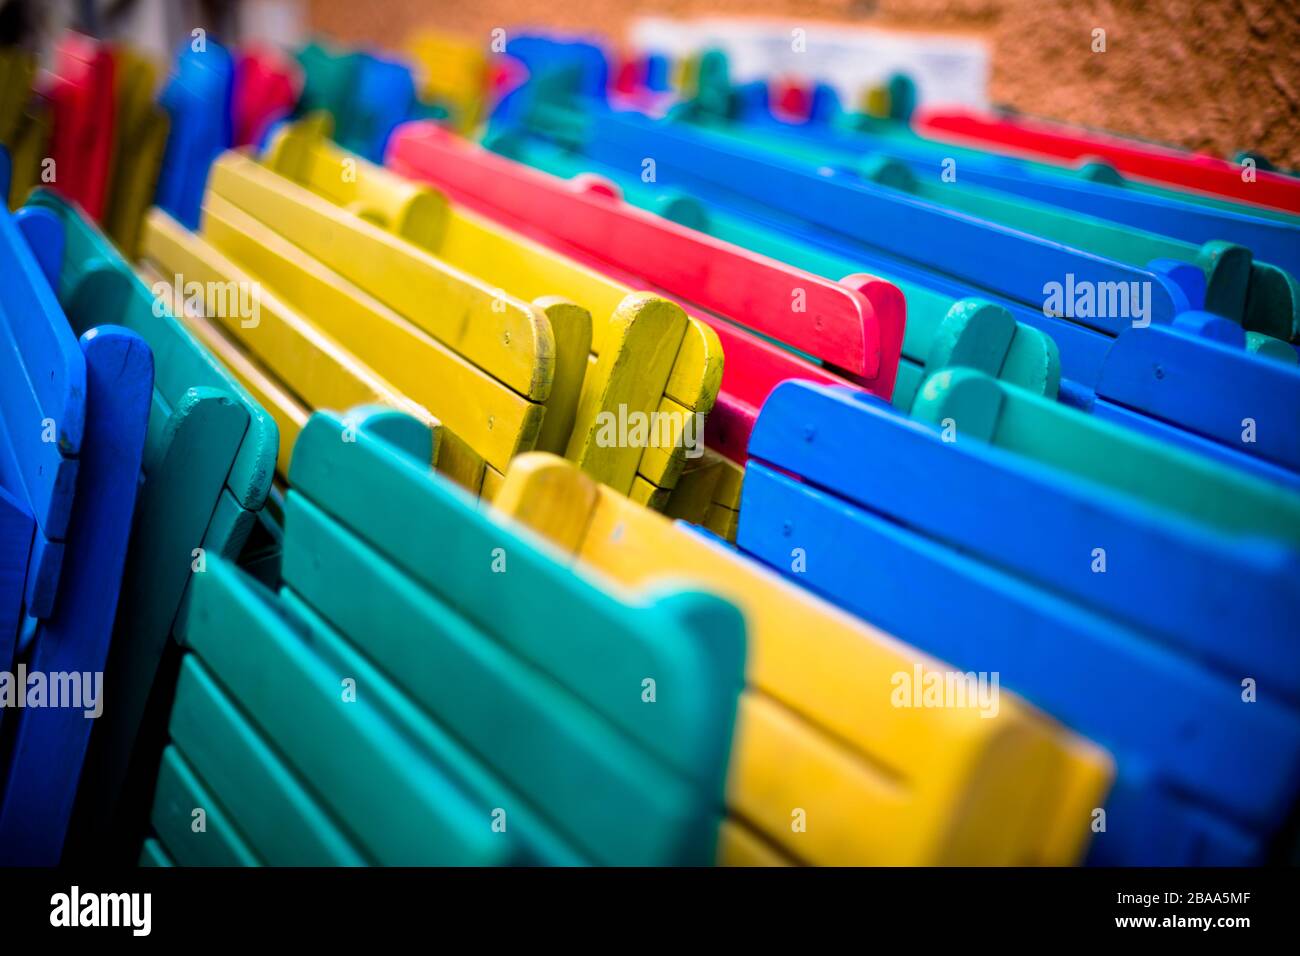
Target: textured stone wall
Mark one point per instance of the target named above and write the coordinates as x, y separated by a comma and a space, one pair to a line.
1218, 75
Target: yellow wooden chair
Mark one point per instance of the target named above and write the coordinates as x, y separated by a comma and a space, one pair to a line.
451, 72
141, 137
483, 364
652, 359
17, 67
24, 125
824, 768
287, 363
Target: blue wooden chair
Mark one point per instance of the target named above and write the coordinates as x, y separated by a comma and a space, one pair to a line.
198, 100
833, 136
989, 559
42, 406
1156, 378
209, 458
68, 643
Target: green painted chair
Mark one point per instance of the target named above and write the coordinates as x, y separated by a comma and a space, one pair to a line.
967, 404
208, 461
443, 663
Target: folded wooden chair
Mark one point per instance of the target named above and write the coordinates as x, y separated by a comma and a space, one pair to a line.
974, 406
648, 362
25, 147
17, 102
818, 740
804, 197
285, 362
266, 88
854, 327
1105, 610
1109, 376
452, 73
43, 399
328, 78
209, 457
141, 137
16, 528
83, 120
383, 97
944, 326
68, 642
493, 717
1039, 138
490, 426
367, 95
197, 99
494, 371
17, 68
1195, 385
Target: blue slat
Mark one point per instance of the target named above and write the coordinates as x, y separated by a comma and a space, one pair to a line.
980, 560
49, 743
42, 396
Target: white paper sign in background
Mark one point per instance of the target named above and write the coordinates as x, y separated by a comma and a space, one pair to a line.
948, 70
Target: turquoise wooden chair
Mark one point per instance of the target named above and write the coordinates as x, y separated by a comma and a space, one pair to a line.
445, 664
209, 457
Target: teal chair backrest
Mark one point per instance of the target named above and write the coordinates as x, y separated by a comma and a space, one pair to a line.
209, 458
447, 665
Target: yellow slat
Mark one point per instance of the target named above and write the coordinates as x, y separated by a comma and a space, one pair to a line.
529, 271
495, 421
644, 336
308, 364
818, 739
510, 339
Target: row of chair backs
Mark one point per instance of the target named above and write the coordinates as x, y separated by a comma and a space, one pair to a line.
1105, 606
882, 117
1094, 216
855, 326
93, 133
943, 326
1266, 298
825, 768
208, 461
1114, 385
646, 357
829, 136
455, 671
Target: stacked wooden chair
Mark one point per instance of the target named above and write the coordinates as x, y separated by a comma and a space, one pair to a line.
501, 708
689, 473
75, 403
